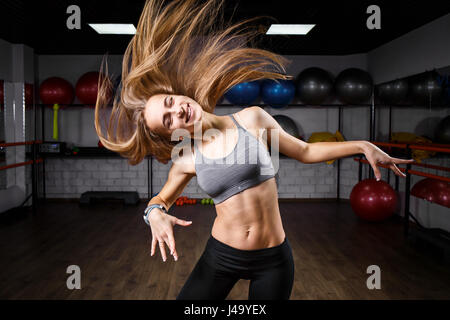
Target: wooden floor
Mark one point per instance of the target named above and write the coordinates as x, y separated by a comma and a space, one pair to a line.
111, 244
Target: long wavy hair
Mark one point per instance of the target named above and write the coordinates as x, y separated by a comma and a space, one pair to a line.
183, 47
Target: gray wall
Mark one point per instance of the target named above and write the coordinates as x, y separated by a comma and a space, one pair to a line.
422, 49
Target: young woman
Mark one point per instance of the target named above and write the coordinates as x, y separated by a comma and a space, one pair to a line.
178, 65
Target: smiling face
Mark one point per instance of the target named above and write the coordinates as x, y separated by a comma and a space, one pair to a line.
166, 112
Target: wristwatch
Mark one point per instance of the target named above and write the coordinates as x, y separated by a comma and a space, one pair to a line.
149, 208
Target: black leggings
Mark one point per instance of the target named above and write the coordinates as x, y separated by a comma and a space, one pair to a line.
270, 271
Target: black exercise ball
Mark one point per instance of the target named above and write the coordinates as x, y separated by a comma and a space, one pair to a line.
353, 86
393, 92
442, 132
314, 85
287, 124
426, 88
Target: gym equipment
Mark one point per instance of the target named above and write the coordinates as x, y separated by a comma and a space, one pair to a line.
373, 200
243, 94
56, 91
277, 93
392, 92
353, 86
86, 88
314, 85
406, 137
426, 89
128, 197
432, 190
442, 131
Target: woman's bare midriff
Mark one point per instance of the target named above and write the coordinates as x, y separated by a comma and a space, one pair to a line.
250, 220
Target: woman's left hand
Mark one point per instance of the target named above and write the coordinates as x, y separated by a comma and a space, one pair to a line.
375, 155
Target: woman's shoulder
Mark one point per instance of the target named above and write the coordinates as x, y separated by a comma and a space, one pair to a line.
249, 116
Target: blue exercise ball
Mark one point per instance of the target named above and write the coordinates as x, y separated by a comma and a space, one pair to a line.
243, 94
277, 93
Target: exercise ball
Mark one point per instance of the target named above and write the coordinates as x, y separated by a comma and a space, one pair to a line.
442, 131
287, 124
392, 92
432, 190
353, 86
243, 94
277, 93
314, 85
426, 88
373, 200
56, 90
87, 87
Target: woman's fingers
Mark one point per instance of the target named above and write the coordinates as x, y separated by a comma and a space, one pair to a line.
153, 248
172, 245
397, 160
376, 171
397, 171
163, 250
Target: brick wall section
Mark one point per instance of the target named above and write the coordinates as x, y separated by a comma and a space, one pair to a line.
69, 178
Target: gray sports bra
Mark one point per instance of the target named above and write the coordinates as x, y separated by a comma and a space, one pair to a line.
247, 165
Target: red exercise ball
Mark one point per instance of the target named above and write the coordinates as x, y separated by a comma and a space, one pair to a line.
432, 190
373, 200
56, 90
87, 87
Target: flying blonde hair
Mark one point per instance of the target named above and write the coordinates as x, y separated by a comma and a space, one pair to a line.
180, 48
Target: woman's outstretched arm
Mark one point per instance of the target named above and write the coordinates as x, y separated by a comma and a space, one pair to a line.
162, 224
324, 151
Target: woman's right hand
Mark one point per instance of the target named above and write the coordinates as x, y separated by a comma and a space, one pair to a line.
161, 225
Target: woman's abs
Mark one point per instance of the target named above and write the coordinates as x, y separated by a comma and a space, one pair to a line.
250, 220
